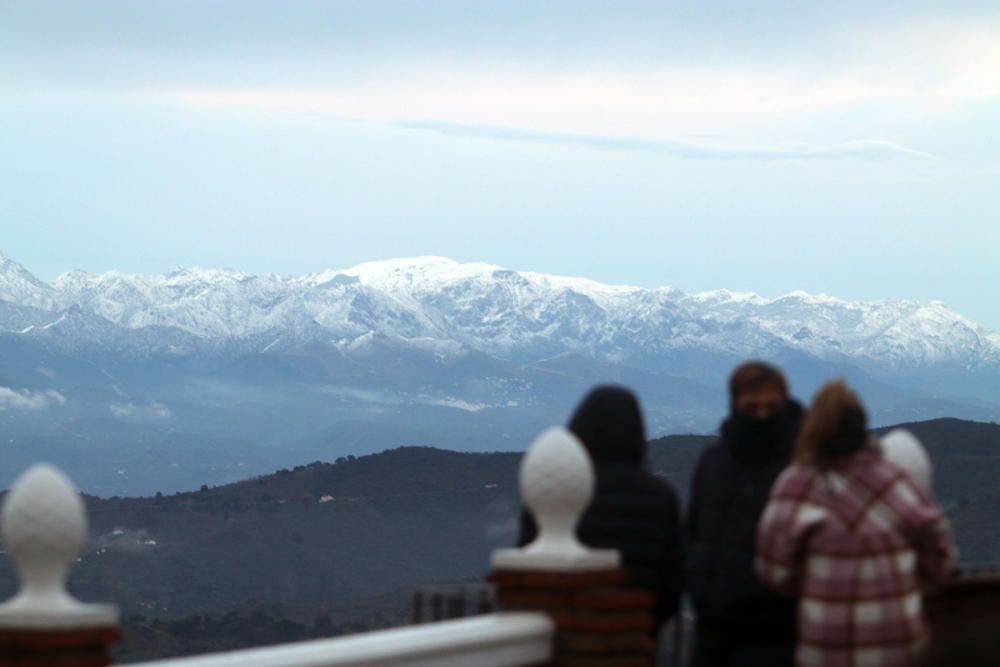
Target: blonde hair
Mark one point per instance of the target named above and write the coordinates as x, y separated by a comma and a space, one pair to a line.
835, 427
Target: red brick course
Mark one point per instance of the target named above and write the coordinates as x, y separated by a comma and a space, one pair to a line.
559, 580
600, 622
57, 648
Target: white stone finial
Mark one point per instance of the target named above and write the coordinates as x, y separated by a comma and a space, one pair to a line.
904, 449
44, 527
557, 484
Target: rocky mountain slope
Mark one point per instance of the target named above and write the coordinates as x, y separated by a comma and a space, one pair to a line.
447, 306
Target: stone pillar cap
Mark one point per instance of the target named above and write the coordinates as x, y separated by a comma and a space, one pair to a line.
557, 484
43, 528
904, 449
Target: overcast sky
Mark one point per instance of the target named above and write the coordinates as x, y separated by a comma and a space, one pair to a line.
845, 148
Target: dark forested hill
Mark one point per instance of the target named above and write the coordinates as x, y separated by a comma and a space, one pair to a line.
328, 537
966, 457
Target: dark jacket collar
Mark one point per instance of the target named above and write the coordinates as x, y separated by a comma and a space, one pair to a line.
778, 447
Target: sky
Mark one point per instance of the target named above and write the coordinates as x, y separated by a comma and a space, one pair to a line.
848, 148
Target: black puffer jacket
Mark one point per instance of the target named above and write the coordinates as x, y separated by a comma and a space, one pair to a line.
632, 510
731, 487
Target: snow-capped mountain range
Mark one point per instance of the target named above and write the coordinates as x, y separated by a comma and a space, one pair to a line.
440, 304
210, 375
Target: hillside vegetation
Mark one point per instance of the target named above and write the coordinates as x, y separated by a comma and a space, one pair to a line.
331, 539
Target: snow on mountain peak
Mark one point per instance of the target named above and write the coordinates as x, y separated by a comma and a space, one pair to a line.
20, 286
189, 275
488, 308
418, 273
729, 296
420, 263
813, 299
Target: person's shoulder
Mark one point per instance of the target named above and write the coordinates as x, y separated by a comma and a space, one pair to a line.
713, 453
659, 485
896, 482
651, 487
795, 481
882, 470
660, 492
876, 472
710, 465
645, 479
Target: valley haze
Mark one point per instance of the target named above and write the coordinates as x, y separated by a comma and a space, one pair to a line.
144, 383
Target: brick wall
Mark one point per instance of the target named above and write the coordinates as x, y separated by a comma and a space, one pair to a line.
599, 621
964, 622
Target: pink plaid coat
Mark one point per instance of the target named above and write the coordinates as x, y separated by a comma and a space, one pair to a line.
856, 543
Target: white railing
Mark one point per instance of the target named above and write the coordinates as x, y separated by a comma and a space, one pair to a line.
496, 640
44, 527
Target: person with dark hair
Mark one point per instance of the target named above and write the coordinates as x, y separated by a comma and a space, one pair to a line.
855, 539
632, 510
740, 622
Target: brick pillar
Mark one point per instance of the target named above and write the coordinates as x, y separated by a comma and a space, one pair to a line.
964, 621
57, 648
44, 526
599, 622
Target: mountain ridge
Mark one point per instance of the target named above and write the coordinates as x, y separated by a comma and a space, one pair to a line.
525, 314
265, 370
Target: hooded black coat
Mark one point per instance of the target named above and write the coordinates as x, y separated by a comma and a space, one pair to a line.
731, 487
632, 510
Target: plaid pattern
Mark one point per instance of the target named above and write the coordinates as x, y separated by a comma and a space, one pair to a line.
856, 543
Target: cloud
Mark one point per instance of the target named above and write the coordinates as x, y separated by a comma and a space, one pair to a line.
24, 399
852, 74
66, 41
153, 410
915, 73
637, 114
865, 149
460, 404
